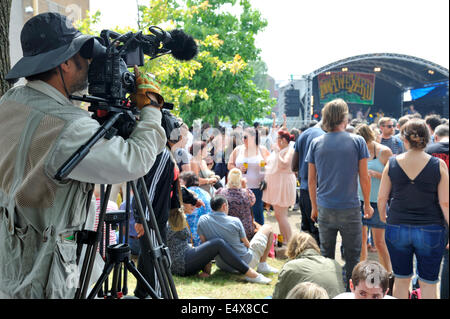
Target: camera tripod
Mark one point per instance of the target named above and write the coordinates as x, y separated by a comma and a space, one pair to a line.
119, 255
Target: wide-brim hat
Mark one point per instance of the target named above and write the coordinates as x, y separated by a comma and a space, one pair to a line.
48, 39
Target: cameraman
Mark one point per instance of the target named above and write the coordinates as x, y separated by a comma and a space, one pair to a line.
40, 129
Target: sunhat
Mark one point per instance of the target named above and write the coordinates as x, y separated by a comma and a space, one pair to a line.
48, 39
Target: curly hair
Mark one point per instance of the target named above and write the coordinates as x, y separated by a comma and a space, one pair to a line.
415, 131
286, 135
234, 178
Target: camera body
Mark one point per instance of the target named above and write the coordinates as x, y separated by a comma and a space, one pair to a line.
113, 54
109, 77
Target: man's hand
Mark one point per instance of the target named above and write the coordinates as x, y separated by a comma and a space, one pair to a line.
314, 214
243, 169
188, 208
145, 92
199, 203
244, 183
139, 230
368, 211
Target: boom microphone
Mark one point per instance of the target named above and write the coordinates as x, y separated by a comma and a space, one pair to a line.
182, 46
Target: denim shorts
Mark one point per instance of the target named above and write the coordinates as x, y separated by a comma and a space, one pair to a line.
374, 221
426, 242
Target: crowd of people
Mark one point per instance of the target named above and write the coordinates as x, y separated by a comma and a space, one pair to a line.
344, 171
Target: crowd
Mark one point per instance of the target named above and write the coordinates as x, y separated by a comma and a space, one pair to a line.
383, 183
343, 178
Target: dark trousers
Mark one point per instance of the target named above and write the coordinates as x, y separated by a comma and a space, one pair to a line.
258, 208
146, 265
307, 222
348, 223
198, 257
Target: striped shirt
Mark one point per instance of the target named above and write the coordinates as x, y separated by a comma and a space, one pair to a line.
394, 143
112, 234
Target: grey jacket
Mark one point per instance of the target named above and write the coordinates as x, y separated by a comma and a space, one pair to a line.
39, 130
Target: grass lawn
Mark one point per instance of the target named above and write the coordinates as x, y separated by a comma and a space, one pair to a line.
220, 285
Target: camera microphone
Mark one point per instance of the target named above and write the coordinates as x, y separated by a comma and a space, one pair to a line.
182, 46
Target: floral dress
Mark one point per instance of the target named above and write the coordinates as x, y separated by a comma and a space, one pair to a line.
240, 202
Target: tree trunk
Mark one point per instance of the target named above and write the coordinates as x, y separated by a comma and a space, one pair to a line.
5, 62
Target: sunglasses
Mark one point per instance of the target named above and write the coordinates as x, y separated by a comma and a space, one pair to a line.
388, 126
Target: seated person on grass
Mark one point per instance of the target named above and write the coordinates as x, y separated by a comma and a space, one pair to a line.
219, 225
307, 290
306, 264
188, 260
191, 182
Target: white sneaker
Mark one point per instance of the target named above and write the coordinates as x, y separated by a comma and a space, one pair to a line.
265, 268
260, 279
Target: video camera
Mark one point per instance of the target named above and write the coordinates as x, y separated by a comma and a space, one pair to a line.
110, 80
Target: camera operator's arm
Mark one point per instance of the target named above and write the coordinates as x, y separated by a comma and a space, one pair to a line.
116, 160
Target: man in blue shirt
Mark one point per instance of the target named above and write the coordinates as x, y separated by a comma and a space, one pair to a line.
335, 160
219, 225
299, 165
387, 128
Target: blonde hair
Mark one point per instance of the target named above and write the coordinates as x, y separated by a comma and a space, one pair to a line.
299, 243
366, 132
384, 120
307, 290
177, 219
234, 178
333, 114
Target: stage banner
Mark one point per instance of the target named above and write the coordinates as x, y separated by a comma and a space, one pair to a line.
352, 87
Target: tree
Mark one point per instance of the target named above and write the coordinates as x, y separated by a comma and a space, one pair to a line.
227, 55
5, 62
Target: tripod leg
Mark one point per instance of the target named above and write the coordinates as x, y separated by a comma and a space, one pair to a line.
151, 250
165, 266
160, 269
83, 277
141, 278
93, 249
106, 271
127, 229
116, 280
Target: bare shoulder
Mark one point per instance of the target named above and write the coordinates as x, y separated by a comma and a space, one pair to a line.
443, 166
385, 151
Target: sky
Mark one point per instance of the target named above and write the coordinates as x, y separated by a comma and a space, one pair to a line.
304, 35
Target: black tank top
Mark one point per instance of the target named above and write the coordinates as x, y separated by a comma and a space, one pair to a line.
415, 202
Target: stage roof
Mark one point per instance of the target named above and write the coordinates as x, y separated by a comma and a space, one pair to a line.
402, 71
